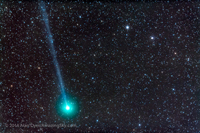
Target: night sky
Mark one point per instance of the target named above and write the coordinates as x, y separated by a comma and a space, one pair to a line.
130, 66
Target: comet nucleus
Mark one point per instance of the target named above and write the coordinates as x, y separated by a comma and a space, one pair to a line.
69, 108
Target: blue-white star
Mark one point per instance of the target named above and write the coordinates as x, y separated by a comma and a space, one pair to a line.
127, 27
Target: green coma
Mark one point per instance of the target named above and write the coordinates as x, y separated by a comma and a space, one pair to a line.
67, 109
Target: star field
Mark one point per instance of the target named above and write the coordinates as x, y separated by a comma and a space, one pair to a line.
131, 66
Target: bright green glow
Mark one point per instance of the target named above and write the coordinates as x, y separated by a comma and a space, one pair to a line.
67, 107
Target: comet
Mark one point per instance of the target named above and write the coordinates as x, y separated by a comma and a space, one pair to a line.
67, 106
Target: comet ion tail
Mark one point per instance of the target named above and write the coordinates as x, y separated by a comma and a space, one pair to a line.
66, 106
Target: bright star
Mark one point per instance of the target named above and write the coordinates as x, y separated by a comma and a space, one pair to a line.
127, 27
152, 38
